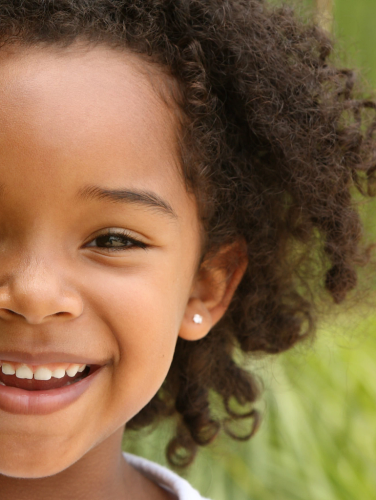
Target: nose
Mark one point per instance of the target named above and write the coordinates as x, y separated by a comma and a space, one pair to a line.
37, 294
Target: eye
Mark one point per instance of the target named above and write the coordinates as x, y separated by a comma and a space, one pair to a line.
115, 241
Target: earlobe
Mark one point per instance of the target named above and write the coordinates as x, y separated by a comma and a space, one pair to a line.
197, 321
212, 293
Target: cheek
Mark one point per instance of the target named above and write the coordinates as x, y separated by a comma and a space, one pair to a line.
145, 302
143, 311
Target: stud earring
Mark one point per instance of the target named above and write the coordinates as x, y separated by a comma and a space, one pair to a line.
197, 318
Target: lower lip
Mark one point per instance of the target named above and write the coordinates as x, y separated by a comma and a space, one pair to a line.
21, 402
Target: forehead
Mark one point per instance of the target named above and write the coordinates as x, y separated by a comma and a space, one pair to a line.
93, 111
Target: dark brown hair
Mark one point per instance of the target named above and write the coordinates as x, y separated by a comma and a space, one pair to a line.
274, 141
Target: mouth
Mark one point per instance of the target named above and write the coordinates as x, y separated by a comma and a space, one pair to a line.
43, 378
22, 391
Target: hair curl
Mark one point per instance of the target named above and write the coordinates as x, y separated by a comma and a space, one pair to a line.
273, 141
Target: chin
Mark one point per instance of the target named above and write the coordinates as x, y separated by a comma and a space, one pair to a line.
26, 461
30, 470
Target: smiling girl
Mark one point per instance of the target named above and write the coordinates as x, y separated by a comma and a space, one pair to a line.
168, 172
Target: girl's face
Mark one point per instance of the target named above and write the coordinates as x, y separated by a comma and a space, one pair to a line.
76, 126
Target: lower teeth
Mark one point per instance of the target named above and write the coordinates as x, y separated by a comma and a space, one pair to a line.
70, 382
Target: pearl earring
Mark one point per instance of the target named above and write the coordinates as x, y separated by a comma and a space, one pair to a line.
197, 318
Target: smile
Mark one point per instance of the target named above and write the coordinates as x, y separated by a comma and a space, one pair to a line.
43, 389
24, 371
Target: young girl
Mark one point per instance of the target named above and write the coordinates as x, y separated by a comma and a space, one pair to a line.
176, 189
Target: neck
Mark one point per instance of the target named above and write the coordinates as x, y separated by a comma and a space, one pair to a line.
100, 473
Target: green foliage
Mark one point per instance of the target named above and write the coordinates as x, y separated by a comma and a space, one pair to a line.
354, 25
318, 437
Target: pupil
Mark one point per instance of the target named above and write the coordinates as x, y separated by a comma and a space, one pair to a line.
111, 241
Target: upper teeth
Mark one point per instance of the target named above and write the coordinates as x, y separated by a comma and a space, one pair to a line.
40, 372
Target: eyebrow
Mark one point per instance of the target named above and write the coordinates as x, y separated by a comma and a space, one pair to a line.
146, 198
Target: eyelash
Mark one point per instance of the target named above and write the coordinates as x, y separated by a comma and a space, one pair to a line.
122, 235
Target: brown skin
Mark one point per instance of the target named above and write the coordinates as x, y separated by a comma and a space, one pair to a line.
68, 119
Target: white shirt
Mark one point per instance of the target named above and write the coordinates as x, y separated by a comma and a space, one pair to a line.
164, 477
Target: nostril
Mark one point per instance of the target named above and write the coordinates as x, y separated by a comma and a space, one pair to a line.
38, 314
8, 313
12, 312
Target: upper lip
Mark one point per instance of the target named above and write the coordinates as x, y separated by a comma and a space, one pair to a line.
43, 358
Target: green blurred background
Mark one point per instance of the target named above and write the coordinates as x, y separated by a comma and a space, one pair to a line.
318, 436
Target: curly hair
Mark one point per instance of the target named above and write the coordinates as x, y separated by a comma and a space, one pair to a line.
274, 141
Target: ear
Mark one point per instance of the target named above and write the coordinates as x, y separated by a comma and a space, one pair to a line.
213, 289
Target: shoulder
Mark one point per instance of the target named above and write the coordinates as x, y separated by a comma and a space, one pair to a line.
164, 477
